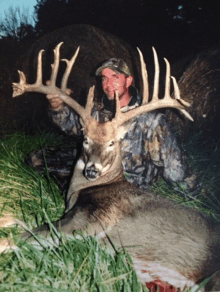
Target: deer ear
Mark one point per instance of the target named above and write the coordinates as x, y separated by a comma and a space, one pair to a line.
122, 130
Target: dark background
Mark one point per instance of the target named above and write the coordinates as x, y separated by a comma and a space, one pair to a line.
173, 26
177, 29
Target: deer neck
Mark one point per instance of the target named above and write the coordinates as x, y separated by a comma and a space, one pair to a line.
79, 181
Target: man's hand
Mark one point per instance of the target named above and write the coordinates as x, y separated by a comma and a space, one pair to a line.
55, 102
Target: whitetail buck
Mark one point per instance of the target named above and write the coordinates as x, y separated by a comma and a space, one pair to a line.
167, 242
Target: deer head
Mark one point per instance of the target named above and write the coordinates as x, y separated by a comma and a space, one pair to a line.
100, 147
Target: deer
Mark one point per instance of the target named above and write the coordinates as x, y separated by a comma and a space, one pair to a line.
168, 242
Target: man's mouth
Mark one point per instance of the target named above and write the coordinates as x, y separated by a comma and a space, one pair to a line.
110, 93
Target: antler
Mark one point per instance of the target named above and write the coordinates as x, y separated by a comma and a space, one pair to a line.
166, 102
51, 88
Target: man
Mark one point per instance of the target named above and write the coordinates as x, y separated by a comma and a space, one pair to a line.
148, 149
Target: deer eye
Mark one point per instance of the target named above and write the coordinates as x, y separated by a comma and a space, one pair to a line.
112, 143
85, 142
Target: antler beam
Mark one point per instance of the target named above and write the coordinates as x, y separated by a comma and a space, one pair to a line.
51, 88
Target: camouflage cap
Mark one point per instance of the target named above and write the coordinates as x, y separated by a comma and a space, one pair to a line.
117, 65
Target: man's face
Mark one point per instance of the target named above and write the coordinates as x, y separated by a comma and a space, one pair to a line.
112, 81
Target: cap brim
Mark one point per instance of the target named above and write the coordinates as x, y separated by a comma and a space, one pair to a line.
100, 69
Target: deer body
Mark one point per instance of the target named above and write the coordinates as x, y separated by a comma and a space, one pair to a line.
166, 241
172, 243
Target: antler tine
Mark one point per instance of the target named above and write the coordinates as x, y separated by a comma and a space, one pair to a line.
144, 78
55, 65
177, 96
177, 92
118, 114
69, 66
175, 86
39, 68
156, 76
22, 86
167, 80
19, 88
89, 103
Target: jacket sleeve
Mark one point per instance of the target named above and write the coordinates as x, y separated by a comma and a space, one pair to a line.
67, 120
149, 149
166, 153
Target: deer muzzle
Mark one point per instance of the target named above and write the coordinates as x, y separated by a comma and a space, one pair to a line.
91, 172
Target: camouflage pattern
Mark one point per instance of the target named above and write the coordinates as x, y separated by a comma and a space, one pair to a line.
67, 120
56, 160
148, 149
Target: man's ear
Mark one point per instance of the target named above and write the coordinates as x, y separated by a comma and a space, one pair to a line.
129, 81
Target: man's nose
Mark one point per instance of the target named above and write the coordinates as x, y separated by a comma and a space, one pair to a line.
109, 83
112, 84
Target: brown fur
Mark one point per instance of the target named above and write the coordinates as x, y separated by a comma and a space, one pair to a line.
172, 243
166, 241
151, 228
99, 132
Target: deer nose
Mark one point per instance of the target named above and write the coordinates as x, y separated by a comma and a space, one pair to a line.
91, 172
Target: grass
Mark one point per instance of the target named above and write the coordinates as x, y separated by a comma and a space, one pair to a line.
79, 264
76, 265
205, 162
24, 192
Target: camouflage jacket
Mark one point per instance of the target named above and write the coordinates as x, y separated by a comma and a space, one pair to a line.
148, 149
